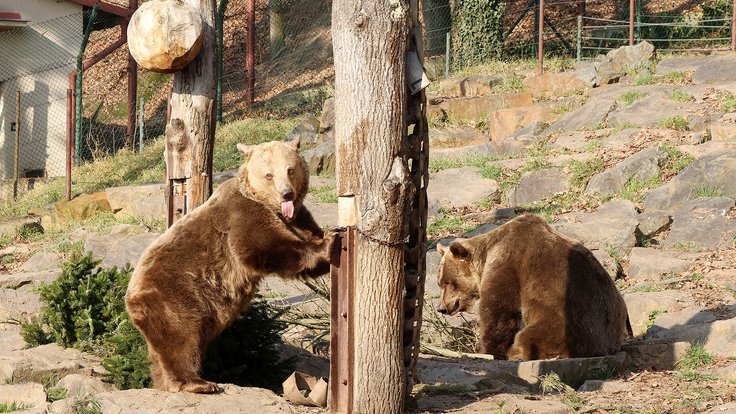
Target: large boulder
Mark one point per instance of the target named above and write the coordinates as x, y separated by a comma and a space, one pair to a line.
306, 130
505, 122
647, 263
119, 249
321, 159
648, 111
719, 69
555, 83
327, 122
609, 68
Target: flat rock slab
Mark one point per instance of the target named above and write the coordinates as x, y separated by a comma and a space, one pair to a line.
591, 114
641, 166
537, 185
572, 371
39, 363
716, 337
19, 303
646, 263
660, 356
703, 224
653, 221
613, 225
10, 341
117, 249
681, 64
649, 111
77, 384
642, 305
459, 187
41, 261
708, 148
17, 280
233, 400
717, 69
572, 140
605, 386
620, 140
713, 171
515, 404
729, 408
666, 322
29, 393
454, 138
145, 201
9, 228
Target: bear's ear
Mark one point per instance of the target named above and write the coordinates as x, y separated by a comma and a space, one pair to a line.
459, 249
441, 249
245, 150
296, 142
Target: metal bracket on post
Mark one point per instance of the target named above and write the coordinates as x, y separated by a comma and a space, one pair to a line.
342, 292
176, 200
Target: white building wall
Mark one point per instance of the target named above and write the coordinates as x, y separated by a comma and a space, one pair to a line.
36, 60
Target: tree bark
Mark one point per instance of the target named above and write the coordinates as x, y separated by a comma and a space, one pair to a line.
190, 133
276, 27
370, 41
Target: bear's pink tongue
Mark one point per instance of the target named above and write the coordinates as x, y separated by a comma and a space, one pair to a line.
287, 209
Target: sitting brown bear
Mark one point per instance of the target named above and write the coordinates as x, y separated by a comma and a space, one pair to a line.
541, 295
203, 272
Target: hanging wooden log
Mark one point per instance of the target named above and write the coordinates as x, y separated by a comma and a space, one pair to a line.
165, 36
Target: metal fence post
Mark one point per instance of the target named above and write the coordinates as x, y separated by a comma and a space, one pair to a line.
447, 55
540, 56
78, 87
17, 146
638, 21
733, 24
580, 38
631, 22
140, 127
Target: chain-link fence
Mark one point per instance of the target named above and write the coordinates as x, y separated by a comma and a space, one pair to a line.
575, 28
34, 72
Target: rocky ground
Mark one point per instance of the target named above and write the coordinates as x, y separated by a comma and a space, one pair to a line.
633, 157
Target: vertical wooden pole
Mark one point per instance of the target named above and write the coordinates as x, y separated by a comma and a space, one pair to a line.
190, 132
132, 89
733, 25
250, 52
580, 39
69, 137
540, 50
370, 43
17, 145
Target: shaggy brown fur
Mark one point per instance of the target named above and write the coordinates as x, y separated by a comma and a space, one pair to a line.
541, 295
195, 279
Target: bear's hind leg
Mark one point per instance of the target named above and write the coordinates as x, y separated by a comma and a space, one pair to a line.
544, 340
175, 349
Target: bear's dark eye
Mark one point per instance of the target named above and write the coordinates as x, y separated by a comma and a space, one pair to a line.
290, 171
269, 177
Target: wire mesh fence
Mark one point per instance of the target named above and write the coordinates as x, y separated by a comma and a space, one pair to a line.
293, 67
573, 28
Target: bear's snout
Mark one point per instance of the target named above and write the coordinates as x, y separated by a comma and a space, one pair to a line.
288, 194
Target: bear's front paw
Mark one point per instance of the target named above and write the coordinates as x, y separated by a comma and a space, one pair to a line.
332, 246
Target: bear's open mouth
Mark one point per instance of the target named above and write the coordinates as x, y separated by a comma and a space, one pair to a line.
455, 309
287, 209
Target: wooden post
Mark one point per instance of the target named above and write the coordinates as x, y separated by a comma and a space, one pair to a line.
370, 43
733, 26
132, 89
632, 7
250, 52
540, 49
190, 132
17, 145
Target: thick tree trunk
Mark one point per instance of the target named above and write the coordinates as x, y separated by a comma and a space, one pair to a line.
276, 27
190, 133
370, 41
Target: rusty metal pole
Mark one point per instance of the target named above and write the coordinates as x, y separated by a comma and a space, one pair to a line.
342, 290
132, 85
250, 52
631, 22
540, 48
70, 134
17, 145
733, 26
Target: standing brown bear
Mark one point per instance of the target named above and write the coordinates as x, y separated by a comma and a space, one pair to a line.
541, 295
195, 279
